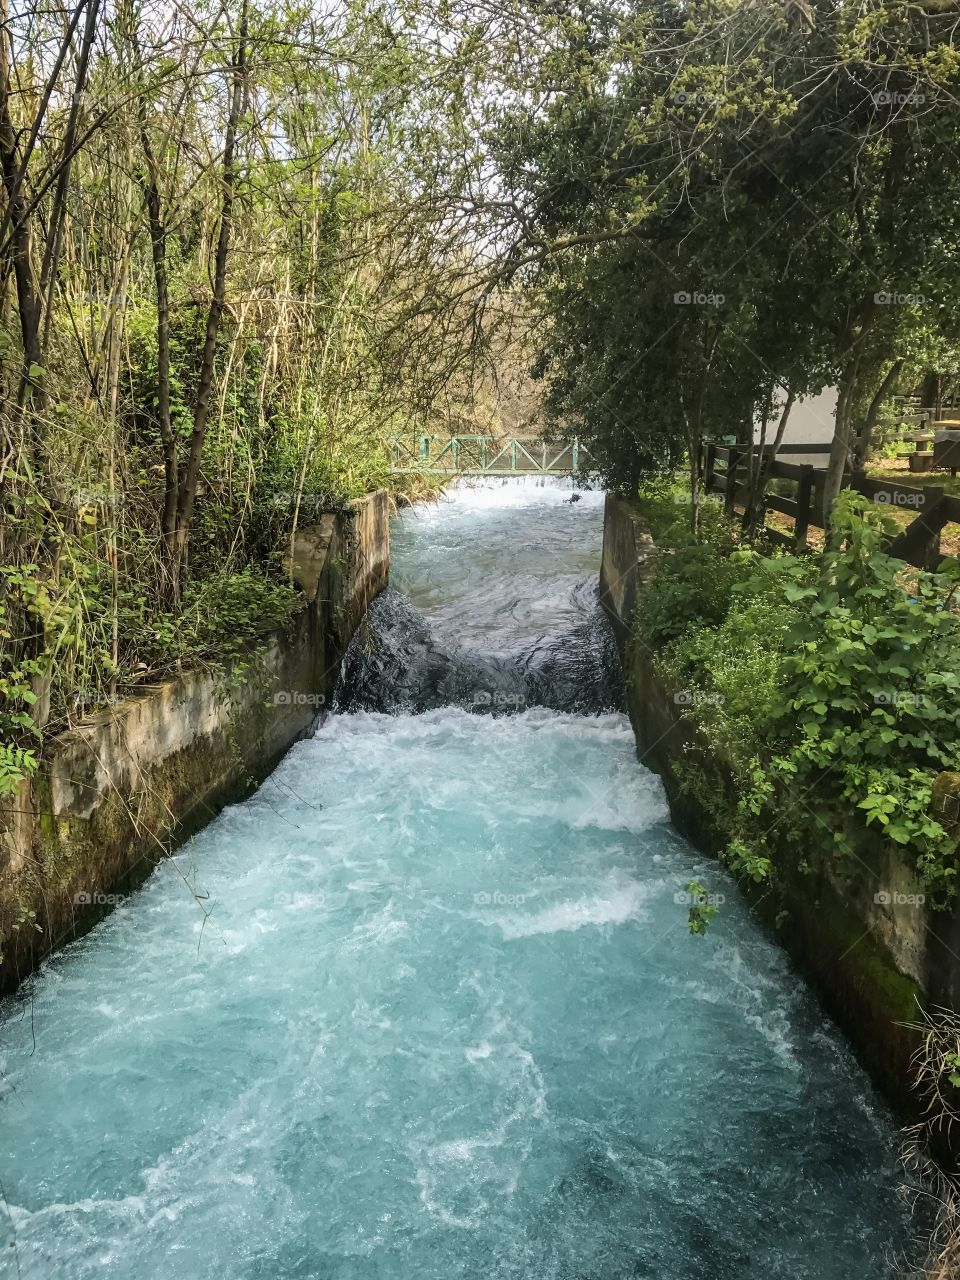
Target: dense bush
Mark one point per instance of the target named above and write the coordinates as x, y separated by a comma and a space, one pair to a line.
695, 570
825, 689
867, 714
220, 618
738, 663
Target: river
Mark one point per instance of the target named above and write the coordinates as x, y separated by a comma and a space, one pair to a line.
434, 1012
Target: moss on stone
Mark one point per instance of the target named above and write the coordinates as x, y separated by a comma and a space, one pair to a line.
945, 802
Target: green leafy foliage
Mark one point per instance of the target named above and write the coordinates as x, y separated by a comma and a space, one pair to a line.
694, 574
27, 604
736, 662
826, 695
869, 709
702, 909
220, 618
707, 230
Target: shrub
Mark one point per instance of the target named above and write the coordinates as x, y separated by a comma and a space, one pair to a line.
695, 572
736, 666
826, 692
867, 713
221, 617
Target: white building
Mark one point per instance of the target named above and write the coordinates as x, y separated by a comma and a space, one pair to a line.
811, 421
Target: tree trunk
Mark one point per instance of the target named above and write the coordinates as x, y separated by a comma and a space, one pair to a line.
150, 181
841, 447
28, 300
188, 482
754, 514
755, 456
928, 390
694, 424
51, 253
873, 413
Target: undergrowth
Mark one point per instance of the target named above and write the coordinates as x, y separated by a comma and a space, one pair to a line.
822, 690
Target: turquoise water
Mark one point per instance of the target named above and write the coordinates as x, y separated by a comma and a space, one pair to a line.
445, 1019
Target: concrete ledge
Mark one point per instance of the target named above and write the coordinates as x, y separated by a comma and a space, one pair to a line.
121, 790
626, 562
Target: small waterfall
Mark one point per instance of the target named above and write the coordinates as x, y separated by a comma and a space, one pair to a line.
397, 664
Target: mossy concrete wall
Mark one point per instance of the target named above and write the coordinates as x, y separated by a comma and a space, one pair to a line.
875, 952
123, 788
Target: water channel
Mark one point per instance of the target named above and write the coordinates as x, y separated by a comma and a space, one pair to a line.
445, 1018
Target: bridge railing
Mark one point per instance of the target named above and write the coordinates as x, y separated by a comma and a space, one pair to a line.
485, 455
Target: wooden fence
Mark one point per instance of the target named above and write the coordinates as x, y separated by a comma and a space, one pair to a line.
726, 469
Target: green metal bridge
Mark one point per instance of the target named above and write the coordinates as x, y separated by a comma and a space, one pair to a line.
485, 455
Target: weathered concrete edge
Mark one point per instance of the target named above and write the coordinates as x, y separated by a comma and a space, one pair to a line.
126, 787
874, 965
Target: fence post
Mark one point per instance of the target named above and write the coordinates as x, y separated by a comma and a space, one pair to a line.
854, 480
424, 448
932, 554
804, 502
733, 462
919, 543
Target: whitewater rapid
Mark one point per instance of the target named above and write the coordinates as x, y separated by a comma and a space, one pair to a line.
425, 1006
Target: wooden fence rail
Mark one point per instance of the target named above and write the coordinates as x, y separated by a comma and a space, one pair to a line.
725, 470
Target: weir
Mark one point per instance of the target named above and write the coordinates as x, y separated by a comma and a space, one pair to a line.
426, 1006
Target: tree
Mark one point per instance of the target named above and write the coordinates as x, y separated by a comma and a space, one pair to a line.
806, 182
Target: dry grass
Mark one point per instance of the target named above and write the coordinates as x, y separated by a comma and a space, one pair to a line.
946, 1264
929, 1151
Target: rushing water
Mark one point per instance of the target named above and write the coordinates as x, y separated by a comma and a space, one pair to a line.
445, 1019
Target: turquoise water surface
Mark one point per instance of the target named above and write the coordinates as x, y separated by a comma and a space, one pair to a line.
444, 1019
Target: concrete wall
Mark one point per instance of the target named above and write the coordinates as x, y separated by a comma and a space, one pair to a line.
121, 790
872, 960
